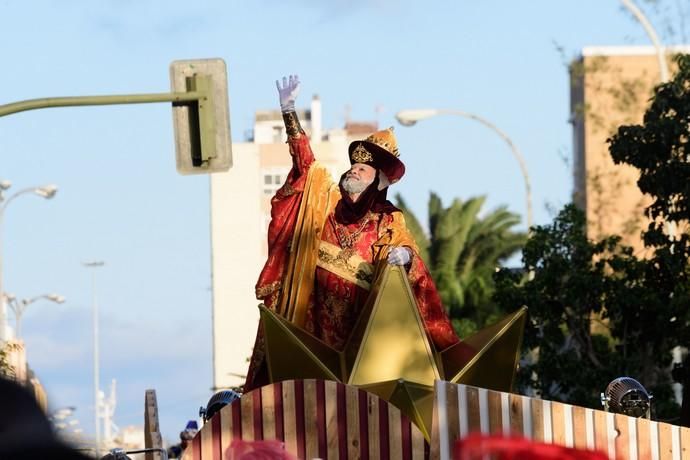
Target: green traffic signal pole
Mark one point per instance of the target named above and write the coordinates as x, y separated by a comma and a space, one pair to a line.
199, 96
32, 104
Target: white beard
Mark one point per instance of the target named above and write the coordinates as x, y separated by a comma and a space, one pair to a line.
352, 185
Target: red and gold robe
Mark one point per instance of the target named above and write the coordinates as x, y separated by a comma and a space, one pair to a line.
319, 272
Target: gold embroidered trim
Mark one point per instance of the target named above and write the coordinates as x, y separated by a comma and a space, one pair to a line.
268, 289
346, 264
361, 155
292, 126
347, 239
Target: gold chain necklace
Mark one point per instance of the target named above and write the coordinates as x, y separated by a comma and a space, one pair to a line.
346, 239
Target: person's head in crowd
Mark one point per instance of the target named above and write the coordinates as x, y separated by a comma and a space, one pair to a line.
25, 431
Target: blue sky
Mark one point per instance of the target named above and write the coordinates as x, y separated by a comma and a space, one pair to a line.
121, 200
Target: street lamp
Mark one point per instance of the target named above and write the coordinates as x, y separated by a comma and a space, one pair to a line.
62, 414
65, 423
94, 265
19, 306
410, 117
47, 192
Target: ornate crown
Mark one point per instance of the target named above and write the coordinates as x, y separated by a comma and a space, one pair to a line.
386, 140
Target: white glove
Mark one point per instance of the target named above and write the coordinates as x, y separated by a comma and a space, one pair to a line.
288, 93
399, 256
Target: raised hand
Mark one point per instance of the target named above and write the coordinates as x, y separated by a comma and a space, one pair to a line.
288, 93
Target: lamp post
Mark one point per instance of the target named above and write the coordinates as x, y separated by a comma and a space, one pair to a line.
19, 307
47, 192
410, 117
96, 400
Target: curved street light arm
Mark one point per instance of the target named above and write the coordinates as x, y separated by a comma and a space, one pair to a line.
410, 117
18, 307
52, 297
48, 191
642, 19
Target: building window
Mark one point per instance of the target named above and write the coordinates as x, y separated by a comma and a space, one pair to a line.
273, 180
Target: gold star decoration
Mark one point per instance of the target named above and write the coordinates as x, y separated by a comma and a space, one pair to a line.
389, 353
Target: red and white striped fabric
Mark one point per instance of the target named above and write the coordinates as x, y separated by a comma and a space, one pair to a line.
314, 419
461, 409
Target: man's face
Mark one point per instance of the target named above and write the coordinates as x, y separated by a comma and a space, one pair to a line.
358, 178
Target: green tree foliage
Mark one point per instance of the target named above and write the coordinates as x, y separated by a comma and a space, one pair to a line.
596, 311
462, 252
591, 316
659, 149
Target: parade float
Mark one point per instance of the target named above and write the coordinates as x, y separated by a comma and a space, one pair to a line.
390, 395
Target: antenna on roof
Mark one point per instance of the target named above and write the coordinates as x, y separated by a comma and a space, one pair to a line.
348, 113
378, 110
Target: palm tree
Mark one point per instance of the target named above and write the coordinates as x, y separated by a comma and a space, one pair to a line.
462, 251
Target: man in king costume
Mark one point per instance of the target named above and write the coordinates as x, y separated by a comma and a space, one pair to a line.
326, 240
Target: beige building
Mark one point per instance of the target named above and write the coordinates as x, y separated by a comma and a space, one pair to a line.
21, 372
610, 87
240, 213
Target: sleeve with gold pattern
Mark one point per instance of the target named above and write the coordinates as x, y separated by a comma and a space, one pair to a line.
292, 126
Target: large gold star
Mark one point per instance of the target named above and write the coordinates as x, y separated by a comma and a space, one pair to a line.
389, 353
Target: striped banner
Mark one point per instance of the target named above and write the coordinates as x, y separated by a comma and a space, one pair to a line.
314, 419
461, 409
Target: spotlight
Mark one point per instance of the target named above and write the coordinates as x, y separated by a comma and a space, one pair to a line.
217, 402
627, 396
